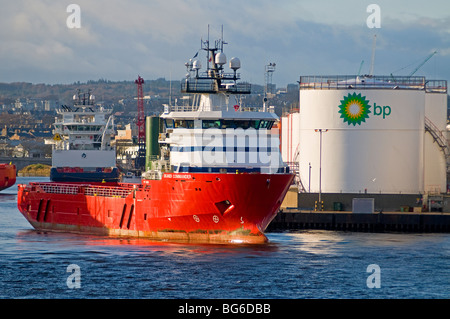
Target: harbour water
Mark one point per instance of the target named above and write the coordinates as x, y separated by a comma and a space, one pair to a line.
293, 265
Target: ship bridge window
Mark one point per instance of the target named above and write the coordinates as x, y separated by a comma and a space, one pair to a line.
184, 124
179, 123
266, 124
86, 128
168, 123
244, 124
229, 124
255, 124
211, 124
241, 124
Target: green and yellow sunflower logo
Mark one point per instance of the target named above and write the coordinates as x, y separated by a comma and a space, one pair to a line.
354, 109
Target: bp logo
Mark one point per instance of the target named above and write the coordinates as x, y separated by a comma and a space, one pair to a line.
355, 109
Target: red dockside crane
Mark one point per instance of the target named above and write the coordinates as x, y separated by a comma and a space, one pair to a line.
140, 159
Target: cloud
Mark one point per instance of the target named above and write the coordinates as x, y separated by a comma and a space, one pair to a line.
120, 39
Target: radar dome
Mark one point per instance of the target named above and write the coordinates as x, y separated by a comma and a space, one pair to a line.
197, 65
235, 64
221, 59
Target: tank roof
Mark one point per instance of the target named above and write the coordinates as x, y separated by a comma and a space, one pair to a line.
328, 82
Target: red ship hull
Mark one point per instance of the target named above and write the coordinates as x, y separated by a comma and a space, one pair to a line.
7, 175
193, 207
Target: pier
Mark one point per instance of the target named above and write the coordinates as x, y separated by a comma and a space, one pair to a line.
390, 212
293, 219
22, 162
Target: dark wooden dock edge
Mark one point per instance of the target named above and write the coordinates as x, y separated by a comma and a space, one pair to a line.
376, 222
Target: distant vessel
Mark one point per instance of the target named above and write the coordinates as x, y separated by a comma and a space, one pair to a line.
219, 176
82, 151
7, 175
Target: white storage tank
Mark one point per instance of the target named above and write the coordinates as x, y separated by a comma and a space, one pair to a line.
290, 135
435, 139
372, 134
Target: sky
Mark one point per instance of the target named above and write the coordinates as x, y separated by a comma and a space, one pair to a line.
118, 40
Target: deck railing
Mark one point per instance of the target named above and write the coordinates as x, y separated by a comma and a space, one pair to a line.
86, 189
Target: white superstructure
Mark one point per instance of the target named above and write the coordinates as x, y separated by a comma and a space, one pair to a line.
212, 131
82, 135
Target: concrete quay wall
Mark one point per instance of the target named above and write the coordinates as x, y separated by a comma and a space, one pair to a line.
375, 222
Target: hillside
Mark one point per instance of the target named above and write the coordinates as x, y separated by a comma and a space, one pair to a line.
104, 90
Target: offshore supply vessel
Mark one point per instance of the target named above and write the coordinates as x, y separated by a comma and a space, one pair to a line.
7, 175
219, 176
82, 150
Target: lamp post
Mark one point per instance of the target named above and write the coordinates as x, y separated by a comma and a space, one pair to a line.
309, 183
320, 165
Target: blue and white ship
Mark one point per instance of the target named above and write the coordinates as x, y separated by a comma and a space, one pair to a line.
82, 150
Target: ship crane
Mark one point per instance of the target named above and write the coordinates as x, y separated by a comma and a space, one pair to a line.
140, 159
417, 67
421, 64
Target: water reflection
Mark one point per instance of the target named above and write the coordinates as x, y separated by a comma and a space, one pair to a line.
324, 242
4, 197
314, 242
122, 246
